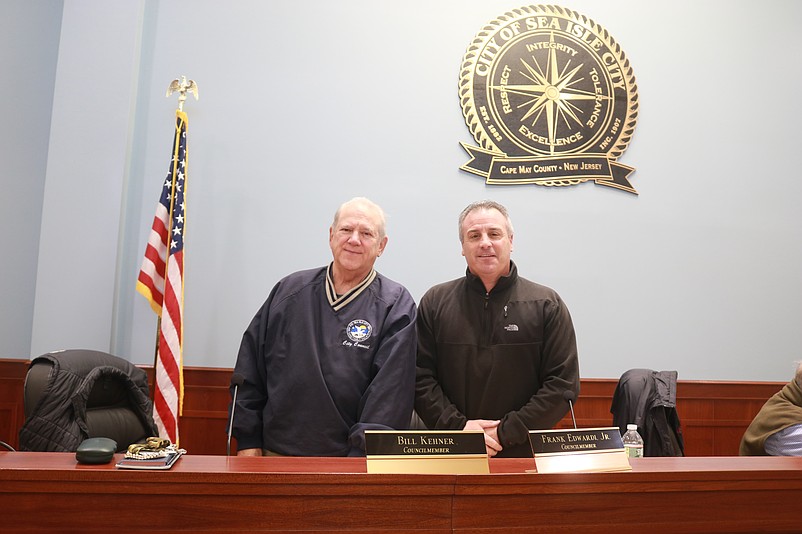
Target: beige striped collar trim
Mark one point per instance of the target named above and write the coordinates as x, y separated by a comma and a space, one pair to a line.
339, 302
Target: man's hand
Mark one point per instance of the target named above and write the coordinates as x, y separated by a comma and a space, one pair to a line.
249, 452
490, 428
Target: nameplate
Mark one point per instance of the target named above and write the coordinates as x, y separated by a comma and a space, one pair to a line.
426, 452
578, 450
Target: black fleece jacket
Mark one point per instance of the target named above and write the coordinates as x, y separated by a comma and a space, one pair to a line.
509, 354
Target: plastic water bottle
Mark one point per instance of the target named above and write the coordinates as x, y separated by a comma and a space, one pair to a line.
633, 443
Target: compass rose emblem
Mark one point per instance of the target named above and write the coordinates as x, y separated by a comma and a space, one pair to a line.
551, 100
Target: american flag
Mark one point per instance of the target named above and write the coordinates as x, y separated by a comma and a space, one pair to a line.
161, 281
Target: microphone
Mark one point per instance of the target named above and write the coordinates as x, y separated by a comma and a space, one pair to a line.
236, 381
569, 396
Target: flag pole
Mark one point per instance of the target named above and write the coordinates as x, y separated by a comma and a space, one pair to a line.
181, 87
156, 356
161, 277
170, 353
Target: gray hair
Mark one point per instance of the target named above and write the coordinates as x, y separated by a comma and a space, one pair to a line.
484, 205
366, 203
798, 375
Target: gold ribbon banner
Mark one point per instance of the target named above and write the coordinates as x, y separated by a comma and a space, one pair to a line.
500, 169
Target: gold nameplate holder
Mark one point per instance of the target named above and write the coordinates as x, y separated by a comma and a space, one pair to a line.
579, 450
439, 452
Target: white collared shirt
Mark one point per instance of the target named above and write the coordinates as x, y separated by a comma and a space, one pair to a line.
786, 442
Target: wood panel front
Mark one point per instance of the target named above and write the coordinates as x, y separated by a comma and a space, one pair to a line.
50, 491
699, 495
714, 415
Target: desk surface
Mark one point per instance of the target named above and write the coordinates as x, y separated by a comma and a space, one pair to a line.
40, 491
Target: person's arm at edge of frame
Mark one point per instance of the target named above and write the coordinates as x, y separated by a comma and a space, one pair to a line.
431, 403
387, 403
547, 406
248, 426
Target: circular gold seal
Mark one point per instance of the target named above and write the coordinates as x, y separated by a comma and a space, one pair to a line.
543, 82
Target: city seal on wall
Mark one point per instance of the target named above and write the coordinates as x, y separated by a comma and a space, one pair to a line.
551, 100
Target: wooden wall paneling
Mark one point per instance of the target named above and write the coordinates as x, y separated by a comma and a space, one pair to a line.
713, 414
592, 408
202, 427
696, 418
8, 417
12, 415
204, 419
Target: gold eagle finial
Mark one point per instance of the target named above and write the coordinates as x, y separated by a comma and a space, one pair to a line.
181, 87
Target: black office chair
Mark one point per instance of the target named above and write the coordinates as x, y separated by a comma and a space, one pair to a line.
73, 395
648, 399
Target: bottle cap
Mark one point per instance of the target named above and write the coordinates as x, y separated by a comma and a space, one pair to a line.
632, 427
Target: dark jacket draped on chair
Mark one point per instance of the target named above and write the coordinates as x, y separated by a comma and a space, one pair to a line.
648, 399
77, 394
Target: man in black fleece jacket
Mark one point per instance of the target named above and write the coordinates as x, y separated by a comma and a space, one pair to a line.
496, 352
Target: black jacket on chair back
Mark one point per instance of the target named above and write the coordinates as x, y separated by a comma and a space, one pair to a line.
73, 395
648, 399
